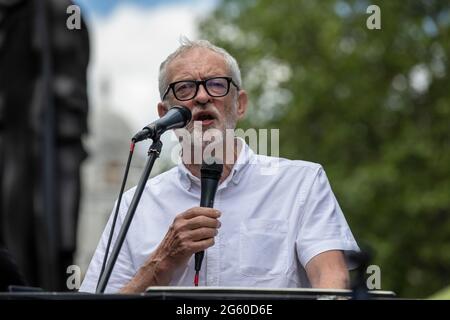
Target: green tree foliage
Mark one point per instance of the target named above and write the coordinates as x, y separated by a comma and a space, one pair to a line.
372, 106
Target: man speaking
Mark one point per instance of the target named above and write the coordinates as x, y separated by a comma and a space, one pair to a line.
283, 229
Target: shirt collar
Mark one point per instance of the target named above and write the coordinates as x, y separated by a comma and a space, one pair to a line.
187, 178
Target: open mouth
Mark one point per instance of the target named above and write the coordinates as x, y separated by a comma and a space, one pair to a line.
205, 117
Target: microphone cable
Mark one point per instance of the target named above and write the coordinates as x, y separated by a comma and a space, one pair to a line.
196, 278
116, 213
198, 265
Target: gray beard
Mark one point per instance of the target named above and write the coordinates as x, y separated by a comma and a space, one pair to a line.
197, 143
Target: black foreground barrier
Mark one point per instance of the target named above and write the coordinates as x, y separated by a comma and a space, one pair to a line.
221, 293
209, 303
204, 293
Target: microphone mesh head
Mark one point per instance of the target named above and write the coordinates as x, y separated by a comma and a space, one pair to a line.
211, 169
185, 112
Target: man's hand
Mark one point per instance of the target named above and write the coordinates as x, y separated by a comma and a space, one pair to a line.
191, 231
328, 270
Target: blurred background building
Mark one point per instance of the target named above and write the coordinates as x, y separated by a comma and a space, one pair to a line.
108, 145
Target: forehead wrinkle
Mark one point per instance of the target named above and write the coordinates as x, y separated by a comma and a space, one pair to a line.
198, 74
194, 66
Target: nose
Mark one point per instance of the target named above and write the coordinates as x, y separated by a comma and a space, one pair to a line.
202, 96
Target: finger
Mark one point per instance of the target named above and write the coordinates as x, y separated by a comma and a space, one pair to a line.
202, 221
202, 244
201, 211
202, 234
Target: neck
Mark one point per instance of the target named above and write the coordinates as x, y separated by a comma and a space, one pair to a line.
227, 165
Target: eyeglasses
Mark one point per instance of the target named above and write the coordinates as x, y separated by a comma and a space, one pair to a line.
187, 89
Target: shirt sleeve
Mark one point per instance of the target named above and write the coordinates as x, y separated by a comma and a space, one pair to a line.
123, 270
322, 224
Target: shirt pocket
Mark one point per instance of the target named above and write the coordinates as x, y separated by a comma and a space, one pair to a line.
263, 247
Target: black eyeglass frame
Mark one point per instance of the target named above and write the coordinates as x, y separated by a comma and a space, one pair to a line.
197, 86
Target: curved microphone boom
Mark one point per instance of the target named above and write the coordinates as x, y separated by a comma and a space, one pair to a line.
176, 117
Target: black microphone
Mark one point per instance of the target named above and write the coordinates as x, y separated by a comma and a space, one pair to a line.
176, 117
211, 172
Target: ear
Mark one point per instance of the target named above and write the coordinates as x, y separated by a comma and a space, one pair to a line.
242, 101
162, 109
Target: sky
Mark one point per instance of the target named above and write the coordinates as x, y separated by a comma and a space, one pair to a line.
129, 39
105, 7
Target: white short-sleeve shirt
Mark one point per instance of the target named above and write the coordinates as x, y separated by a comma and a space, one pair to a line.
277, 214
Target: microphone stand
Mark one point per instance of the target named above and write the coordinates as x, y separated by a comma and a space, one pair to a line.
153, 154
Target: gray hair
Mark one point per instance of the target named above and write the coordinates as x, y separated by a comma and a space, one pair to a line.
187, 45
